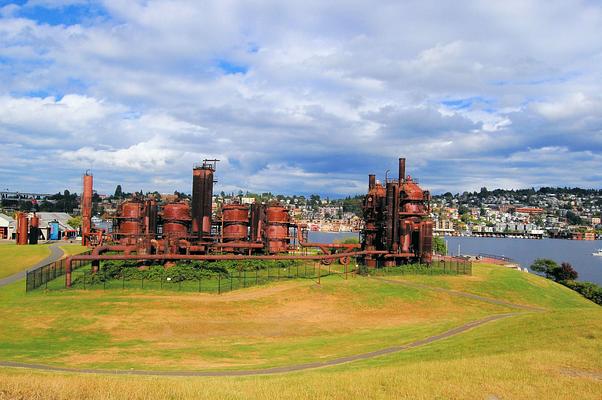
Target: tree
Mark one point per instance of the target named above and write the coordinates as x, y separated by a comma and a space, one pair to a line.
118, 192
552, 270
544, 266
75, 222
573, 218
439, 245
566, 272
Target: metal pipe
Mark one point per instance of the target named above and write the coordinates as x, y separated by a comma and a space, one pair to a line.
371, 181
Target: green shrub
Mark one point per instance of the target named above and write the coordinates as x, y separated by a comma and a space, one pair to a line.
588, 290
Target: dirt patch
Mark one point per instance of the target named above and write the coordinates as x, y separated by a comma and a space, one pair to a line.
578, 373
277, 313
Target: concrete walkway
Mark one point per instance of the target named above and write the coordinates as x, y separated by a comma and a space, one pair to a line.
55, 254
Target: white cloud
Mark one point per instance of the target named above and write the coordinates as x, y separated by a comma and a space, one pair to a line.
332, 90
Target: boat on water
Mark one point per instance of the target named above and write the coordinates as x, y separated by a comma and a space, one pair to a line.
597, 253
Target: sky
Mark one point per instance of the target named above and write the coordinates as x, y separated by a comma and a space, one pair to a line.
300, 97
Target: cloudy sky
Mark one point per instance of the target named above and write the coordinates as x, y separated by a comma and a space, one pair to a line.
300, 96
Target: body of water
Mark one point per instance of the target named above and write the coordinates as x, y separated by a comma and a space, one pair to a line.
523, 251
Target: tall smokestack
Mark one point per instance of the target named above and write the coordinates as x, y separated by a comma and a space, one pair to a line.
371, 181
402, 169
202, 196
86, 207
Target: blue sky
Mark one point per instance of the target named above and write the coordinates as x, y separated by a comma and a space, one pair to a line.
300, 96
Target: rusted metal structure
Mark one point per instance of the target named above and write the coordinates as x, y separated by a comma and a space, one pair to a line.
202, 195
397, 220
86, 208
34, 229
397, 228
176, 220
22, 228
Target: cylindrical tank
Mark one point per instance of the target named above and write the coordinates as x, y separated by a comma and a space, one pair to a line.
202, 197
236, 222
34, 230
22, 228
86, 207
276, 230
131, 209
131, 221
176, 217
174, 229
131, 228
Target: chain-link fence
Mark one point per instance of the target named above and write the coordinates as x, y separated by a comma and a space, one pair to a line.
440, 265
41, 276
214, 280
202, 281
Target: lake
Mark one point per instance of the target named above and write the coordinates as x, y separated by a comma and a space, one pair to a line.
523, 251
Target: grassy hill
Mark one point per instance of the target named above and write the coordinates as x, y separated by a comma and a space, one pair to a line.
15, 258
549, 348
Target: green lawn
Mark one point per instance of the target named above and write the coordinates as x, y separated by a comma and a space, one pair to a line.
554, 353
15, 258
72, 249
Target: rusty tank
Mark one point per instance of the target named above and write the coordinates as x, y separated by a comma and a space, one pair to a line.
277, 228
130, 221
176, 219
236, 222
34, 229
22, 228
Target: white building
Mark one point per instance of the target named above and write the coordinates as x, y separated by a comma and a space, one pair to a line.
7, 226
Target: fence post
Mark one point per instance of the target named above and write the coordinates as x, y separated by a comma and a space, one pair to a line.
84, 273
230, 282
256, 276
219, 284
122, 280
142, 282
244, 279
319, 273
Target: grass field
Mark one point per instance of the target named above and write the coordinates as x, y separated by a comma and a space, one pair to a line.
72, 249
15, 258
555, 353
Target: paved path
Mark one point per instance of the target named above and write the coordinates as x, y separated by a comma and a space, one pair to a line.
314, 365
55, 254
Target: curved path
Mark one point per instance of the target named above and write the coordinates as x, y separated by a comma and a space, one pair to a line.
56, 253
314, 365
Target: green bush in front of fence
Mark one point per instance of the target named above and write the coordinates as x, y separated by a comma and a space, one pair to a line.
191, 276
